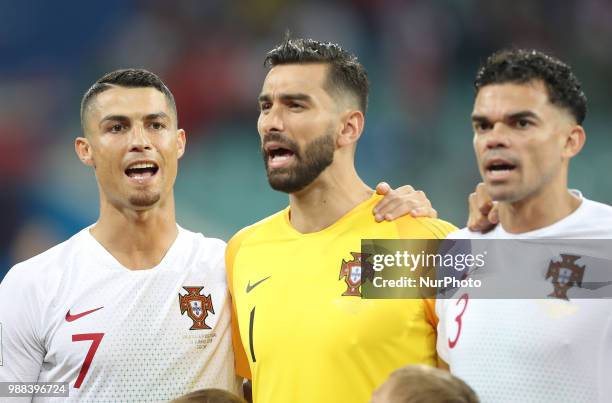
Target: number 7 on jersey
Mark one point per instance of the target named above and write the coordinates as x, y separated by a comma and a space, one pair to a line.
95, 338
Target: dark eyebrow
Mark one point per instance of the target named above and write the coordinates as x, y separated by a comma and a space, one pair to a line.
286, 97
119, 118
158, 115
123, 118
522, 115
479, 118
511, 116
295, 97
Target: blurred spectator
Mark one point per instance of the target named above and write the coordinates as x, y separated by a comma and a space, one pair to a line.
209, 396
423, 384
421, 56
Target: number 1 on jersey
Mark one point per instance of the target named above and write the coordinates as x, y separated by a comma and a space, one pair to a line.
251, 321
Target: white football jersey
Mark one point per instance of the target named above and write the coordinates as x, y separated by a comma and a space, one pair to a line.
534, 350
75, 314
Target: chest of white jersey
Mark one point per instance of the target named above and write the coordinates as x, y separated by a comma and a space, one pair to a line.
115, 334
533, 350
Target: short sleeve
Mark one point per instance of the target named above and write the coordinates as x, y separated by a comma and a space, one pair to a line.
21, 350
442, 340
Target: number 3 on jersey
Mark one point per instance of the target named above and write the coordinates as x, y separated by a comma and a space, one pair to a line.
464, 298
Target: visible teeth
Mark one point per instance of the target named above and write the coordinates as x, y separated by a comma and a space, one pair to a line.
280, 157
142, 165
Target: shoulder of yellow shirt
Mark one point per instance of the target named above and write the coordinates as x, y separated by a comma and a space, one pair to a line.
233, 245
235, 241
436, 227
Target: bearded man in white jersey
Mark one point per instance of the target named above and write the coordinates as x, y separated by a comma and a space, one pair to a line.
133, 307
527, 119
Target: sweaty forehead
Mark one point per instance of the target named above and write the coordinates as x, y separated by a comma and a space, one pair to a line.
497, 100
294, 78
130, 102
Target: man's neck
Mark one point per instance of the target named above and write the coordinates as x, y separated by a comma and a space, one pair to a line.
538, 211
326, 200
137, 239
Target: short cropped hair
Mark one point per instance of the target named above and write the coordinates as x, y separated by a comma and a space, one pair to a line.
130, 78
211, 395
521, 66
346, 73
423, 384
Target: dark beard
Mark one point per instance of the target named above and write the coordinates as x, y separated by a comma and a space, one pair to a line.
317, 155
144, 199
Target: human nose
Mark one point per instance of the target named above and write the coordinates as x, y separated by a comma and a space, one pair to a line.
499, 136
139, 139
271, 120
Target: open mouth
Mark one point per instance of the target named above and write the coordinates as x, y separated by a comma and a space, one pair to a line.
498, 167
278, 154
141, 170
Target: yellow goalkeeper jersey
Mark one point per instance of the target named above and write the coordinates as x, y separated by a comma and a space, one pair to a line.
305, 334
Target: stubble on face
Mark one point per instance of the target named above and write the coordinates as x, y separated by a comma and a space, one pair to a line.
523, 160
132, 106
144, 198
316, 156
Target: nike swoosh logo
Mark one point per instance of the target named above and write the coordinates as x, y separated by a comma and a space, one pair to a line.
250, 287
70, 318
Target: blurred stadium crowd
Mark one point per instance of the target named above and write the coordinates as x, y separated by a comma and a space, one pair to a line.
421, 56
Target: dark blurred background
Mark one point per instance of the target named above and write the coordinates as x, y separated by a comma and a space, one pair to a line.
421, 56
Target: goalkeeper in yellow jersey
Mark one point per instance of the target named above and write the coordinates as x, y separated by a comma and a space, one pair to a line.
305, 335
